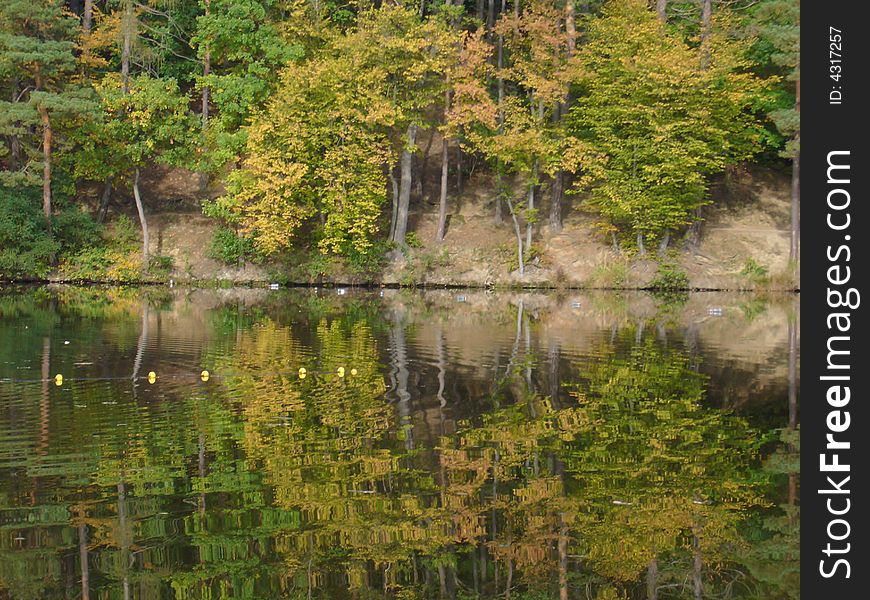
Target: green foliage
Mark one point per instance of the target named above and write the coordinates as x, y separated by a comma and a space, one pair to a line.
412, 240
659, 121
754, 271
669, 277
27, 249
231, 248
114, 256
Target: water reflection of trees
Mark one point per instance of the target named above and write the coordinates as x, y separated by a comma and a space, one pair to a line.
606, 479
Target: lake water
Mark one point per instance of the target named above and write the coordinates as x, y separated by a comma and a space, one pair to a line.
525, 446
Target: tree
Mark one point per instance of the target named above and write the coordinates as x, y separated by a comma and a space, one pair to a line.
660, 122
334, 129
152, 119
36, 41
778, 25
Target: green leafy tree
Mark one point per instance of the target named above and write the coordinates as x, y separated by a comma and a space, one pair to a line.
150, 121
661, 122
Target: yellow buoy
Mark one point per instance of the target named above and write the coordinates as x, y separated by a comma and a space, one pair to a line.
302, 372
58, 379
341, 371
204, 375
353, 371
152, 376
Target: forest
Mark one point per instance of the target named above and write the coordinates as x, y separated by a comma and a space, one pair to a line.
308, 123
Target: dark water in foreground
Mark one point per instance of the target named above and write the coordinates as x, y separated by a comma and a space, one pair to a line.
478, 445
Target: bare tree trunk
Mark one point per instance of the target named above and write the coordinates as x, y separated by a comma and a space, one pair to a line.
500, 85
706, 30
206, 71
792, 373
46, 163
395, 186
556, 202
794, 248
458, 170
127, 48
88, 17
405, 187
652, 584
666, 239
662, 10
530, 205
694, 234
697, 566
442, 205
83, 559
519, 235
571, 26
563, 557
104, 201
141, 210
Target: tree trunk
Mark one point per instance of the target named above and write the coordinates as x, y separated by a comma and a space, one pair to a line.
694, 234
490, 17
395, 187
792, 373
104, 201
666, 239
652, 584
640, 247
563, 557
83, 559
127, 48
662, 11
697, 566
519, 235
794, 248
442, 205
530, 205
556, 202
706, 29
571, 26
206, 71
458, 169
88, 17
46, 164
141, 210
500, 86
405, 187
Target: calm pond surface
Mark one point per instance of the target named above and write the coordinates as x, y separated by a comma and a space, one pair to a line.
525, 446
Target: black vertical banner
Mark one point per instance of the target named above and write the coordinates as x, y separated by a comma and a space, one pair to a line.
835, 377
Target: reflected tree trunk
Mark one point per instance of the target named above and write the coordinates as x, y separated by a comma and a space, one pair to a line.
142, 343
562, 546
124, 535
400, 368
554, 358
44, 401
792, 400
697, 569
83, 557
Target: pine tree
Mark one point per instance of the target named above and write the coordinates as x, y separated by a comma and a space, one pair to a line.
36, 67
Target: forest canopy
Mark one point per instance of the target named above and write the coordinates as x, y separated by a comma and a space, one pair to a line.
304, 119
